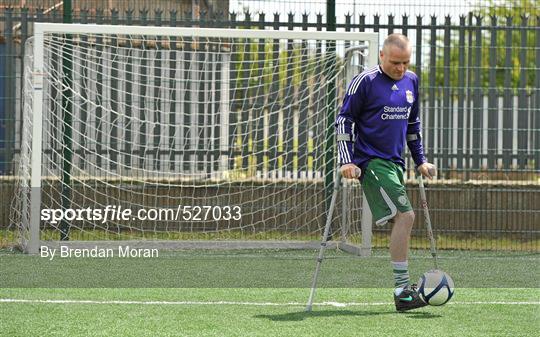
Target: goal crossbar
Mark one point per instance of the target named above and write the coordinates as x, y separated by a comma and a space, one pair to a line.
371, 38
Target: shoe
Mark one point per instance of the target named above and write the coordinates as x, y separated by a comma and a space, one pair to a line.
408, 299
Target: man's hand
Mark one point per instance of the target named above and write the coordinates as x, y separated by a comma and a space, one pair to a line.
427, 170
350, 171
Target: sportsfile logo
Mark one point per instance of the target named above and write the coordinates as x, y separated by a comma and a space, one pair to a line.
395, 112
119, 213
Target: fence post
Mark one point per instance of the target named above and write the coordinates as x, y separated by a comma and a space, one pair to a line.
493, 109
418, 60
536, 106
303, 114
405, 24
276, 105
130, 87
390, 24
431, 111
24, 36
288, 120
478, 97
174, 89
469, 96
330, 100
114, 115
418, 71
158, 133
445, 113
67, 110
9, 90
523, 106
462, 132
508, 98
362, 23
99, 95
259, 143
84, 106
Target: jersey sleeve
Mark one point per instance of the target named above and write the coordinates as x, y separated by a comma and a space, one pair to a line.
345, 122
414, 131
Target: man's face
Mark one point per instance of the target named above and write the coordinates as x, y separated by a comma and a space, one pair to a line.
395, 61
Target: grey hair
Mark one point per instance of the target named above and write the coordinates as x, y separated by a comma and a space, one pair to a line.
398, 40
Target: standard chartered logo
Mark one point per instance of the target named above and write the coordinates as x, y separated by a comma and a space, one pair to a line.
396, 112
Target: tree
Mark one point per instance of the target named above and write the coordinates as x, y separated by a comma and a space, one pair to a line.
512, 14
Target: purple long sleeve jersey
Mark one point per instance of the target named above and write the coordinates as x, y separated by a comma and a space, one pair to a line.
378, 115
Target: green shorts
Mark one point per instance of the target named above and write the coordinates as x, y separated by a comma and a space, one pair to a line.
384, 188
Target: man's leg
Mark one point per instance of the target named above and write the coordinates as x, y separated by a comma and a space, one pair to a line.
401, 233
399, 247
405, 296
385, 192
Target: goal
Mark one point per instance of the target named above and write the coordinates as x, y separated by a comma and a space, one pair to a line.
185, 137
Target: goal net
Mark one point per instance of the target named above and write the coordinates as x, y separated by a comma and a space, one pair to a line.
183, 136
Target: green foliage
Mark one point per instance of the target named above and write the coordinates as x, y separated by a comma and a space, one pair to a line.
513, 13
510, 8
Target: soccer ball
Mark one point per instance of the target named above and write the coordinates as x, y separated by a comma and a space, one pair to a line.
436, 287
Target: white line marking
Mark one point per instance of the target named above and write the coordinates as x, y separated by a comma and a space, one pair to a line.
260, 304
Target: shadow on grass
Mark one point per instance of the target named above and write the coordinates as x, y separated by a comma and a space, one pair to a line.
420, 315
302, 315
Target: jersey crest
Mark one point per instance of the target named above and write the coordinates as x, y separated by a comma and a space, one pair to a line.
410, 97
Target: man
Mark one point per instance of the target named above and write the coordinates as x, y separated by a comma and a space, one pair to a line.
380, 113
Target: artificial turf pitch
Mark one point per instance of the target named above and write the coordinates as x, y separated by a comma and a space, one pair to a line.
496, 295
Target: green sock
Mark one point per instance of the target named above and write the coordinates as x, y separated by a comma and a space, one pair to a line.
401, 273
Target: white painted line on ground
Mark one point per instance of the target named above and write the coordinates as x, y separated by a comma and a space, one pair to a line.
262, 304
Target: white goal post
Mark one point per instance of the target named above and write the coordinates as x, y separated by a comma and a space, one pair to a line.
221, 135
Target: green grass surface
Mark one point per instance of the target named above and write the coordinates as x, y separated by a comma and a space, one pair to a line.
266, 268
263, 312
262, 293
